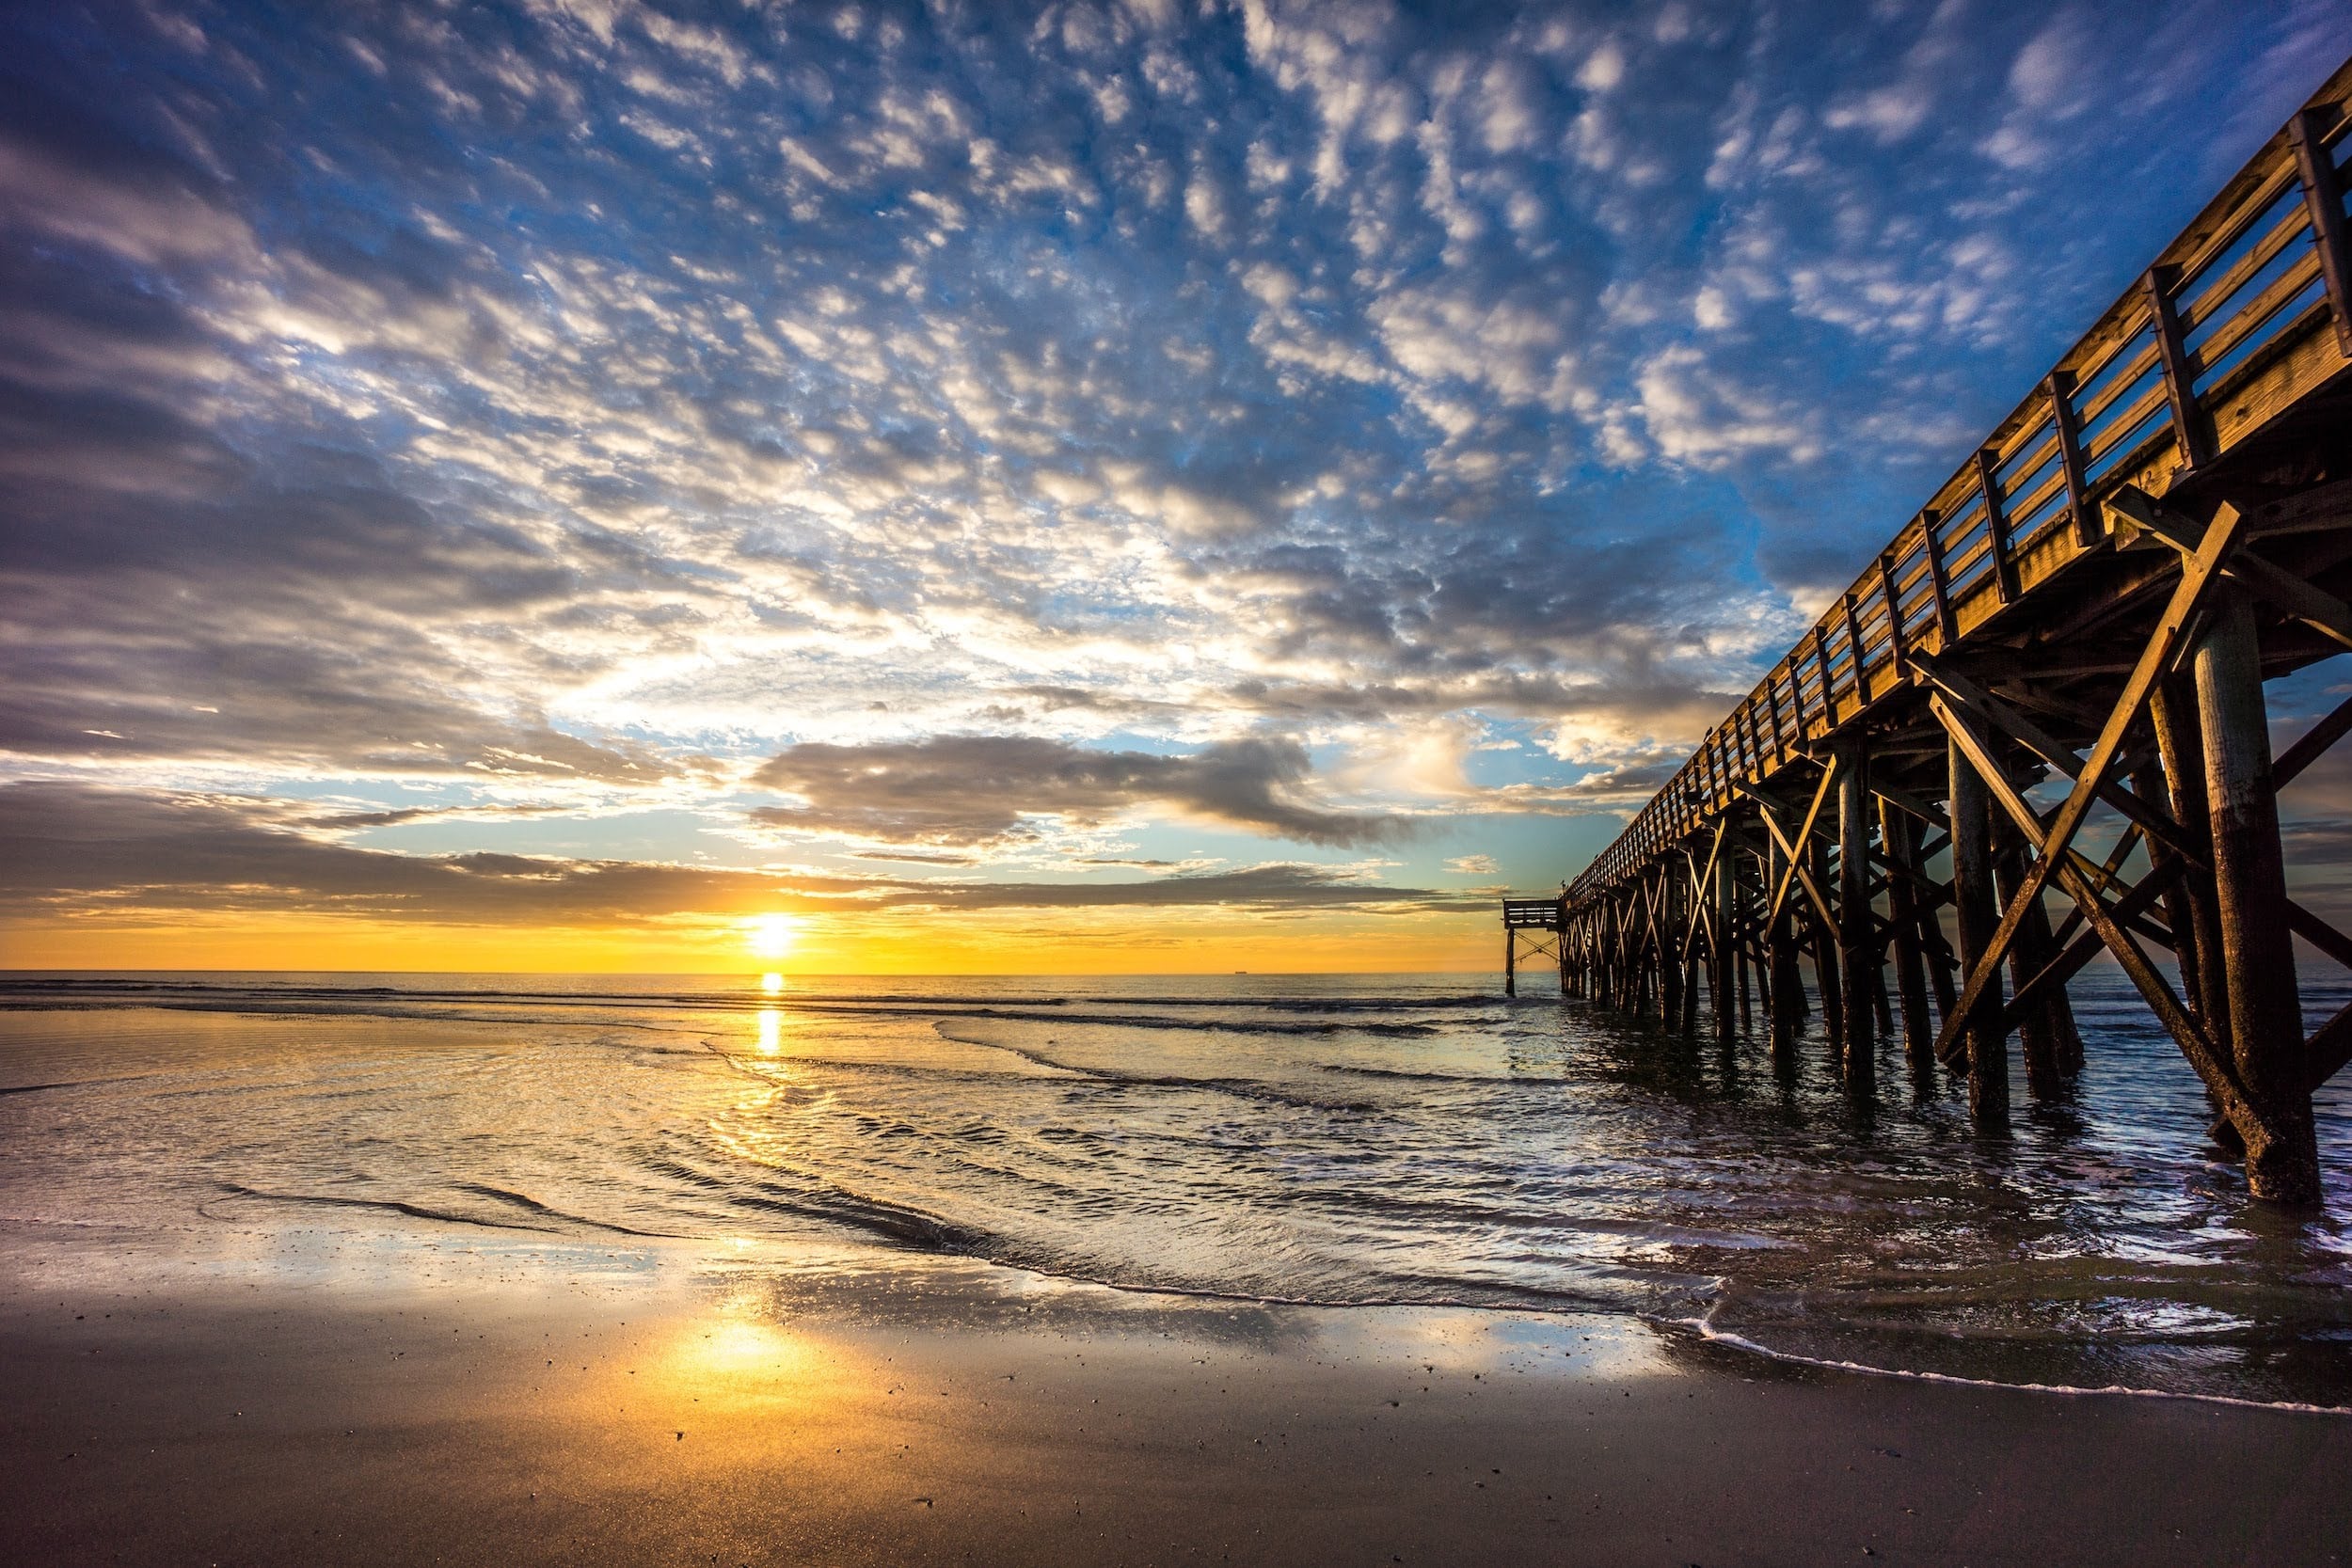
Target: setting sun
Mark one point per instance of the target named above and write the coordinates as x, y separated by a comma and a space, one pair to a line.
771, 935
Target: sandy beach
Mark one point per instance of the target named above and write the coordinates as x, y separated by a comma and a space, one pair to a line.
673, 1404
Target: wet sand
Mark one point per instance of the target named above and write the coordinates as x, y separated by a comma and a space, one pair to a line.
648, 1406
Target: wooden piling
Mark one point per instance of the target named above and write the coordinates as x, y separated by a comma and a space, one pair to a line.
1827, 978
1560, 954
2037, 1037
1899, 836
1857, 945
1669, 957
2180, 744
1977, 914
2250, 896
1789, 1003
1723, 981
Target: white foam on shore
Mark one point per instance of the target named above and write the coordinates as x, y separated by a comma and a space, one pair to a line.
1714, 1336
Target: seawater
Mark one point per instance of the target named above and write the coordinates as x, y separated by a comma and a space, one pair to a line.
1341, 1139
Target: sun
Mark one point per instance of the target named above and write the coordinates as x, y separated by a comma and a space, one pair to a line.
770, 936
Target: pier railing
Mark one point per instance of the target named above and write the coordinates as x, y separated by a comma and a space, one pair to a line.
2096, 596
2241, 317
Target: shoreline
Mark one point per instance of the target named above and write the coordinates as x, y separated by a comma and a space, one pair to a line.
421, 1398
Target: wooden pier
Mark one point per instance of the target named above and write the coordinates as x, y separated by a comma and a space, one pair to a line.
2034, 729
1534, 925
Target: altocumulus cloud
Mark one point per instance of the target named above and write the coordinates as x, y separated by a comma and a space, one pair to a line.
973, 432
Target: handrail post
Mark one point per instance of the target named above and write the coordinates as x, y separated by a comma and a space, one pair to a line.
1897, 653
2060, 388
2323, 197
1997, 528
1853, 641
1829, 681
1946, 623
2189, 420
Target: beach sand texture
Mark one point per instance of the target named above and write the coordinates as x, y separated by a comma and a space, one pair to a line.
684, 1410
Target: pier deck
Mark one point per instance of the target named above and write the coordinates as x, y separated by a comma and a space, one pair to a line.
2086, 611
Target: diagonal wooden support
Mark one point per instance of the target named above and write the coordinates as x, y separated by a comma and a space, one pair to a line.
1821, 796
2112, 926
1796, 864
2018, 809
2213, 1064
2199, 572
2304, 924
1926, 885
2312, 746
1700, 902
2314, 607
2328, 1049
1910, 804
1982, 705
2106, 879
2073, 955
2124, 844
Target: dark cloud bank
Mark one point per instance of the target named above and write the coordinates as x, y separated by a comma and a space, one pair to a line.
78, 850
969, 790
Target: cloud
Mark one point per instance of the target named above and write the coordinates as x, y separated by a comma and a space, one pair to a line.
87, 852
974, 790
1697, 415
569, 408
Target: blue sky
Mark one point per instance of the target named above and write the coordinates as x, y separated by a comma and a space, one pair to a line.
1349, 450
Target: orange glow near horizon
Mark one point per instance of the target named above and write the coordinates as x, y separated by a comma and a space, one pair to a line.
1209, 941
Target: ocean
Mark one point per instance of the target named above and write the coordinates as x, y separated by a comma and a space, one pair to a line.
1342, 1140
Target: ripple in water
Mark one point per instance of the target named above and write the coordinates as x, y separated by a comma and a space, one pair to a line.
1333, 1139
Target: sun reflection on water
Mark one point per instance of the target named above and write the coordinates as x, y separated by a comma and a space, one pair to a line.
770, 1031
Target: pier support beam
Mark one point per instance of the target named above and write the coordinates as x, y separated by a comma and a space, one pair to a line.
2180, 746
1857, 944
2037, 1032
1672, 925
1977, 916
2249, 886
1560, 952
1899, 840
1788, 1002
1826, 976
1726, 979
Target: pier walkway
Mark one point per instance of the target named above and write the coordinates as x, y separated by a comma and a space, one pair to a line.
2033, 731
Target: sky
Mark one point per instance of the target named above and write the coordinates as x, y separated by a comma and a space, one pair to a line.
634, 484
